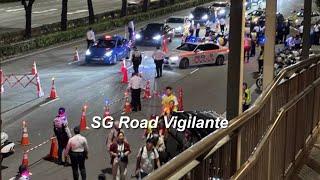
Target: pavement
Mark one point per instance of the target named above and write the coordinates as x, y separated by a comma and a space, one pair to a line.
77, 84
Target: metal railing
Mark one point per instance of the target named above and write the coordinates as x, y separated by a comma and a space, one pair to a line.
270, 138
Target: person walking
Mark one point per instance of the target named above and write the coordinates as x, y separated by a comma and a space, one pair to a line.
90, 37
119, 152
300, 29
191, 28
62, 132
147, 160
197, 29
247, 47
316, 36
246, 97
131, 29
136, 59
169, 98
260, 62
158, 57
135, 85
222, 23
77, 148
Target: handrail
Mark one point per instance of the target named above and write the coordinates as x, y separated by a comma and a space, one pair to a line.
254, 157
211, 140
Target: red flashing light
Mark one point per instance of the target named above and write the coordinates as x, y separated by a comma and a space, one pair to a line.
108, 37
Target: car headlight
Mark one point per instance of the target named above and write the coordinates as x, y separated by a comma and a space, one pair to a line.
191, 16
178, 28
222, 12
138, 36
157, 37
88, 53
205, 17
174, 58
108, 54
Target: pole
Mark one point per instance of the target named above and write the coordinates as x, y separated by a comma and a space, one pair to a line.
235, 72
306, 29
269, 51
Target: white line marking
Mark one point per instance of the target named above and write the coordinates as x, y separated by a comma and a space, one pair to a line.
14, 10
73, 62
77, 11
194, 71
44, 11
49, 102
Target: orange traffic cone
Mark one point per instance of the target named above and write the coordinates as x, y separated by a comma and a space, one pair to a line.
25, 160
53, 154
106, 111
34, 70
180, 100
125, 75
53, 93
25, 137
76, 55
83, 120
165, 45
147, 93
122, 67
127, 105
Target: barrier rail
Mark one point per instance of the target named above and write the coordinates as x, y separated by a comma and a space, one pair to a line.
271, 137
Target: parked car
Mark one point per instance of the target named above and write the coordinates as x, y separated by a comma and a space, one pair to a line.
221, 9
140, 2
177, 23
152, 34
202, 15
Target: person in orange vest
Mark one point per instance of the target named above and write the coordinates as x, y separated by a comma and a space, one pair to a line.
168, 99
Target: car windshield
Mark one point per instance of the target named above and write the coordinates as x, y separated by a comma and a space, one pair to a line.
200, 10
102, 43
219, 4
154, 27
175, 20
187, 47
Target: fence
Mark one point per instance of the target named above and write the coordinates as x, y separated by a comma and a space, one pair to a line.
265, 142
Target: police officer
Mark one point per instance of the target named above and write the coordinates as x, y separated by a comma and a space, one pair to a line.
246, 97
135, 85
77, 148
136, 59
90, 37
61, 131
158, 57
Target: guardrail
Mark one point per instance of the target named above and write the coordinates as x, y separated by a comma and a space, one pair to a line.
271, 137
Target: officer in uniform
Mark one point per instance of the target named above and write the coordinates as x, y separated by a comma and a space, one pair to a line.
135, 85
158, 57
136, 59
77, 148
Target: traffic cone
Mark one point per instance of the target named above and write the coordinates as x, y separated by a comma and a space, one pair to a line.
25, 160
180, 100
53, 154
122, 67
147, 93
39, 89
25, 137
124, 76
76, 55
83, 120
1, 81
34, 70
53, 93
106, 111
127, 105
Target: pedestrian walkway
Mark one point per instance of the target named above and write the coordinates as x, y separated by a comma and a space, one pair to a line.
310, 168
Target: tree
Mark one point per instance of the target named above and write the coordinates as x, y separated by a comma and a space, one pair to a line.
91, 13
27, 4
162, 3
124, 8
64, 15
145, 5
318, 3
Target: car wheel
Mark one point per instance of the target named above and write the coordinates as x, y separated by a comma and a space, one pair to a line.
184, 63
220, 60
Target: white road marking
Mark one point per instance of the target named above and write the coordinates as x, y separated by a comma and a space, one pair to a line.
77, 11
44, 11
194, 71
49, 102
14, 10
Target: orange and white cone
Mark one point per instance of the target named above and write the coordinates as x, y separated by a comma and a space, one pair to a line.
53, 154
76, 55
125, 76
53, 92
1, 81
147, 91
106, 111
25, 160
25, 136
39, 89
127, 105
83, 120
34, 70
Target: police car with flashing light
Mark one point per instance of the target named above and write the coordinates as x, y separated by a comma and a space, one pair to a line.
193, 54
108, 50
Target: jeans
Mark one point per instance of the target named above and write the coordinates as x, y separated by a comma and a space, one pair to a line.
60, 150
77, 162
159, 64
197, 32
89, 43
222, 28
135, 99
136, 68
130, 30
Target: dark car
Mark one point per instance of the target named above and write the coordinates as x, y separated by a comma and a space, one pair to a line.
153, 34
202, 15
108, 50
221, 9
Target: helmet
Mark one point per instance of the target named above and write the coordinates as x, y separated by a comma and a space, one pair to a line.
61, 110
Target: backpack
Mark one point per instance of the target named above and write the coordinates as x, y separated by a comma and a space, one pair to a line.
154, 152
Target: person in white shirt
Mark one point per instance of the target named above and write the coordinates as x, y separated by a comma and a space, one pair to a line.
131, 29
90, 38
158, 57
77, 148
197, 29
301, 30
135, 85
316, 36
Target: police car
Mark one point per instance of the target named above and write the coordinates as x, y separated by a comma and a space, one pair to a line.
108, 50
192, 54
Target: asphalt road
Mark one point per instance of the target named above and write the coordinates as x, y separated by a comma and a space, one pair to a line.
78, 84
46, 12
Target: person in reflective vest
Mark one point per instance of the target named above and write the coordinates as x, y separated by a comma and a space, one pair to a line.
246, 97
